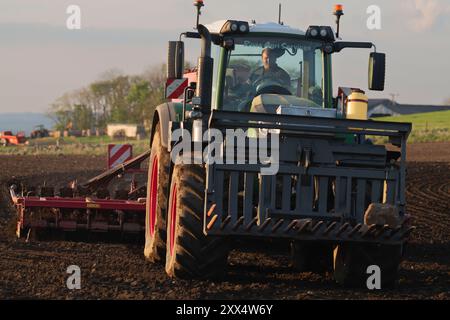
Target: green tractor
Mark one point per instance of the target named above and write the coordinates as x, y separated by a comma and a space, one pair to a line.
39, 132
299, 162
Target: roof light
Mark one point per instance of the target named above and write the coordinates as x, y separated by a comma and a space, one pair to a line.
232, 26
198, 4
339, 8
338, 12
320, 32
313, 31
243, 28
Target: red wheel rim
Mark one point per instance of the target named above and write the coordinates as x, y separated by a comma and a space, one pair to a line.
153, 196
173, 218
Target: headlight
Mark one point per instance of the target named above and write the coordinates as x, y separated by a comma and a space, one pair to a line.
243, 28
325, 33
232, 26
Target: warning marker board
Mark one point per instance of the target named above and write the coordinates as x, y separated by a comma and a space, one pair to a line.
118, 154
175, 88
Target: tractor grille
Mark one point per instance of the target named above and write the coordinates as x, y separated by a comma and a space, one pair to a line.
314, 201
323, 200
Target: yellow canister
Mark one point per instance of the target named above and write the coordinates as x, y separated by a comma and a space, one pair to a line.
357, 103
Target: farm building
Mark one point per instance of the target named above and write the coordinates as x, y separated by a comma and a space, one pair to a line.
386, 107
125, 130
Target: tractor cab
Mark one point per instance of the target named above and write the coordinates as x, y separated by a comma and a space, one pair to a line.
266, 67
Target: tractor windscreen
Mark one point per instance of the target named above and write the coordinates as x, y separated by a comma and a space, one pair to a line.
265, 65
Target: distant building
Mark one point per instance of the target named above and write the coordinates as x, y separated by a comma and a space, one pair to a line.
125, 130
386, 107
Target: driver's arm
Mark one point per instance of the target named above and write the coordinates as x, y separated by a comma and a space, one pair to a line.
255, 75
285, 77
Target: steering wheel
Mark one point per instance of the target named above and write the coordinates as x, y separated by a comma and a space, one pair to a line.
269, 85
274, 89
262, 86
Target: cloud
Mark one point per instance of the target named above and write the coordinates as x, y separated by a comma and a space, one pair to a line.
427, 13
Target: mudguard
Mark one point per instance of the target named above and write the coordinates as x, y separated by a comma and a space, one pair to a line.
165, 113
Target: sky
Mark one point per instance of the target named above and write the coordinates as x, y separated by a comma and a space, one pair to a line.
41, 59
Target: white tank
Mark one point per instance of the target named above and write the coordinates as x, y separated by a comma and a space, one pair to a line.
357, 104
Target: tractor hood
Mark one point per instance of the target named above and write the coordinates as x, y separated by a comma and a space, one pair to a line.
291, 105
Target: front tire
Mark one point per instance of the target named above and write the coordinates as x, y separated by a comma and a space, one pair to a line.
156, 204
189, 252
350, 262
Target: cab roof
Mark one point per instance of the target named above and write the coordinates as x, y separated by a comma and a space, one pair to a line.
269, 27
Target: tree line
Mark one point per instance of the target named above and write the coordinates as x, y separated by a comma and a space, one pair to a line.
114, 98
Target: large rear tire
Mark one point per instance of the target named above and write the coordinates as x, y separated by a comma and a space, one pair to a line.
156, 205
350, 262
190, 253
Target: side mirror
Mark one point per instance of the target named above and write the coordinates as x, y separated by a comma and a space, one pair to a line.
377, 71
175, 61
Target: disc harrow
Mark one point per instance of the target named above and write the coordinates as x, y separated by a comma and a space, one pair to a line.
112, 202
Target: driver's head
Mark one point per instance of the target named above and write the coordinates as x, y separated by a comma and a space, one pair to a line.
268, 59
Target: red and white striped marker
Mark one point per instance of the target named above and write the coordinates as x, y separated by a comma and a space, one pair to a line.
175, 88
119, 153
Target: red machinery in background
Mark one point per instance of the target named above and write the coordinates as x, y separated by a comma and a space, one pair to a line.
8, 138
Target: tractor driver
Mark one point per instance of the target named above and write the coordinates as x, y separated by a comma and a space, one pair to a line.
270, 69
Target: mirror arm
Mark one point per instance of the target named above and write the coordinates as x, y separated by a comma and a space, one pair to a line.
216, 38
338, 46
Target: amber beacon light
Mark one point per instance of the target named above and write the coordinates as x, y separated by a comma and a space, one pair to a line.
338, 12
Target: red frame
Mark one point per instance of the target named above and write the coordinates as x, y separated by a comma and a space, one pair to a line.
80, 203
